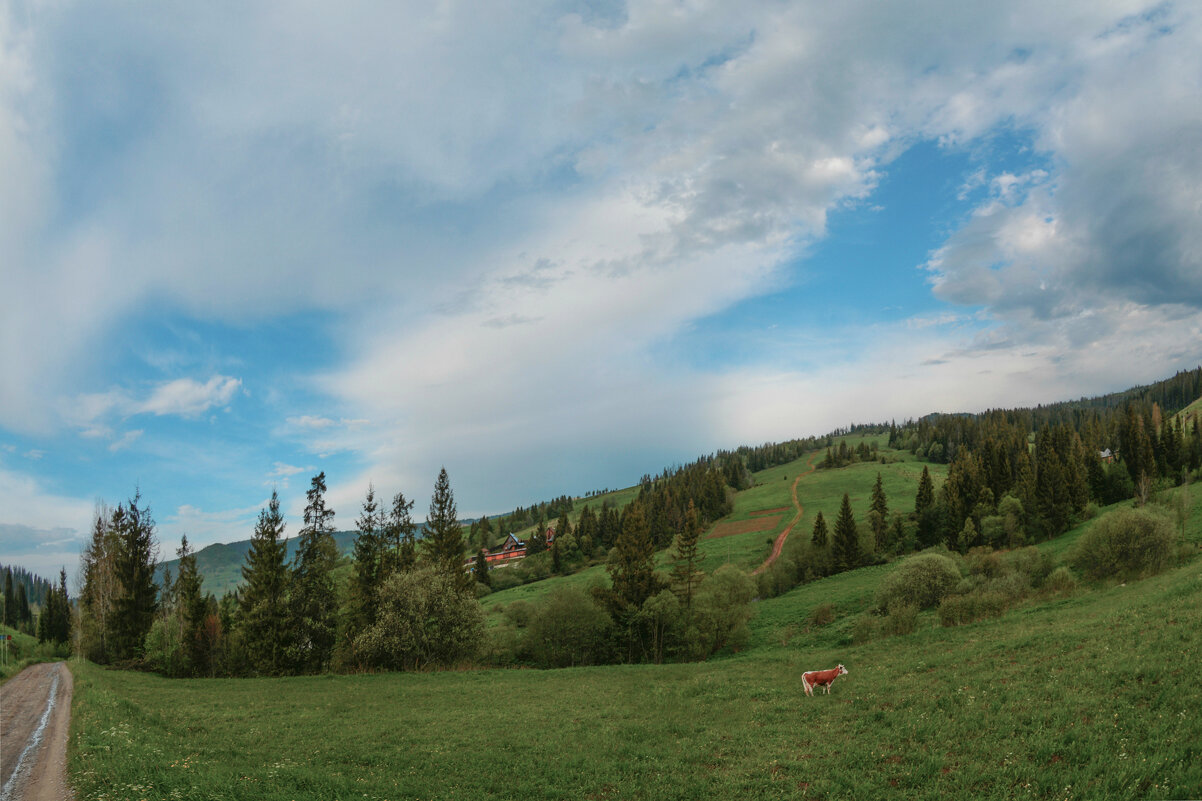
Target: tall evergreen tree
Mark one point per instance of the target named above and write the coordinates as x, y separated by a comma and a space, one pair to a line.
926, 493
480, 571
264, 599
191, 610
444, 537
880, 503
23, 613
369, 568
400, 538
632, 562
685, 576
134, 563
846, 546
313, 602
10, 599
820, 537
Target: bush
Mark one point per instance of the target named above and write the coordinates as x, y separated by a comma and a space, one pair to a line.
956, 610
921, 580
865, 628
568, 629
1126, 543
823, 615
1060, 581
423, 621
520, 613
902, 619
720, 613
1032, 563
985, 562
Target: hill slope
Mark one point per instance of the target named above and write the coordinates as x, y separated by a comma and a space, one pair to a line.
1094, 695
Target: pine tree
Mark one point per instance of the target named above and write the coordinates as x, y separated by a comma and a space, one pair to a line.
686, 555
10, 599
846, 545
880, 503
926, 493
480, 571
191, 609
966, 537
819, 537
400, 538
264, 600
444, 537
134, 562
366, 578
632, 562
23, 613
313, 603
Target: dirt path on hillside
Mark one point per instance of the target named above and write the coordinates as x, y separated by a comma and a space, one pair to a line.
35, 714
779, 545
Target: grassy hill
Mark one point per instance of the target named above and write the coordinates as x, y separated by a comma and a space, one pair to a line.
220, 564
1092, 695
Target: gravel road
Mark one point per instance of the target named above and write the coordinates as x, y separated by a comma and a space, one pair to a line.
35, 714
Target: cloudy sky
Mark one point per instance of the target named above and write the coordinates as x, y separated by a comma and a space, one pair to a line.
553, 246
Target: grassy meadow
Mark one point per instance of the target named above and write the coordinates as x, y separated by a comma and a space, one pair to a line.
1094, 695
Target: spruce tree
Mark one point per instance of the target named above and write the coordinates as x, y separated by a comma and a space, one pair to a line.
820, 537
136, 598
191, 609
400, 538
880, 503
264, 598
686, 555
313, 603
846, 545
444, 537
480, 571
10, 599
632, 562
366, 578
23, 613
926, 493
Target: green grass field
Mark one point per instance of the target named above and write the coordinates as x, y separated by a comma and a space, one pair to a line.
1090, 696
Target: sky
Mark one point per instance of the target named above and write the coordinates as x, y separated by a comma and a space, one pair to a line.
553, 246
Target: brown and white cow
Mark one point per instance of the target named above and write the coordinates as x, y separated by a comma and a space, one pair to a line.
821, 678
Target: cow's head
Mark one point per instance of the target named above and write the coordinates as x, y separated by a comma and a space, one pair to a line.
842, 670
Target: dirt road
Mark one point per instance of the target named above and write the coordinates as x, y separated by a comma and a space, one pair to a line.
35, 713
779, 545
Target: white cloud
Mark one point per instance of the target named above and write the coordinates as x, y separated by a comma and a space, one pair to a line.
187, 397
504, 241
125, 440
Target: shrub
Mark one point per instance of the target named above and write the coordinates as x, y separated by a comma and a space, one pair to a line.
902, 619
720, 612
1126, 543
520, 613
1012, 586
865, 628
568, 629
423, 621
956, 610
823, 615
984, 561
921, 580
1032, 563
1060, 581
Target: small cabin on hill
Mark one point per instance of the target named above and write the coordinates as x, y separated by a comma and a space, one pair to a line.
510, 550
1106, 456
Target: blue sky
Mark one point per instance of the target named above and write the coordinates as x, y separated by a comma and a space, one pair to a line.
554, 246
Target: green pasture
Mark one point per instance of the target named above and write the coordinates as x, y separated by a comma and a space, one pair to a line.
1093, 696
